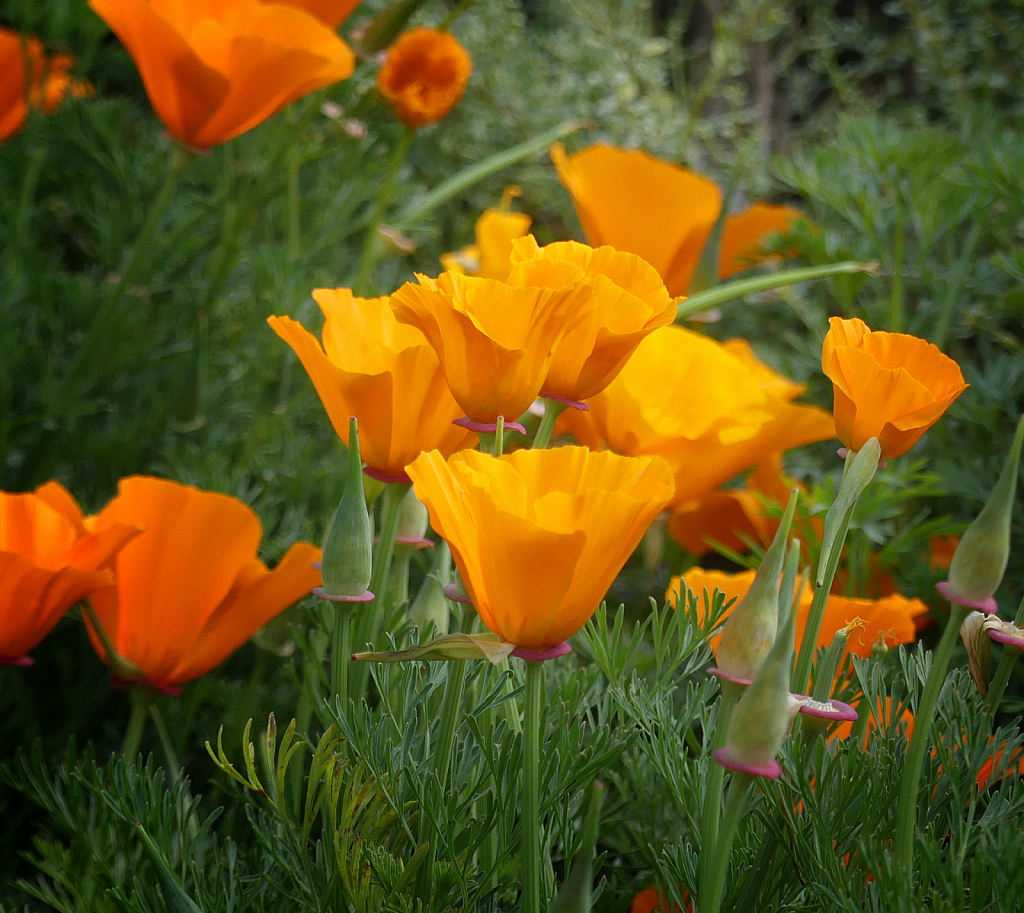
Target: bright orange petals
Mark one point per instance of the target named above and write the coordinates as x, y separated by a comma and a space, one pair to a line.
490, 257
659, 211
710, 410
888, 621
880, 720
886, 385
190, 589
381, 371
48, 562
1012, 766
940, 551
216, 69
424, 76
538, 536
30, 78
653, 900
495, 340
698, 579
330, 12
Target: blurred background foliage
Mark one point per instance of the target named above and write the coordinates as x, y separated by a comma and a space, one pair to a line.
895, 126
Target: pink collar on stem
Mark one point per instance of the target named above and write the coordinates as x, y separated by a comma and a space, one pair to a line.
490, 428
770, 769
385, 477
16, 661
988, 606
323, 594
571, 403
541, 655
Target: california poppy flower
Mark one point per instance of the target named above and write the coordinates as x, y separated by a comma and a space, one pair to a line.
48, 562
214, 70
383, 372
490, 257
330, 12
538, 536
495, 340
31, 78
190, 590
887, 385
635, 202
424, 75
710, 410
880, 720
653, 900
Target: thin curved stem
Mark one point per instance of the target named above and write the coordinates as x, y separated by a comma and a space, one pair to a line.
552, 409
142, 700
711, 811
341, 650
719, 868
530, 848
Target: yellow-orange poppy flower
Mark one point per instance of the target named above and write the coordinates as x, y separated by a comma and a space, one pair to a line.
495, 340
887, 385
628, 301
538, 536
330, 12
48, 562
384, 373
190, 589
710, 410
496, 229
660, 211
424, 75
214, 70
31, 78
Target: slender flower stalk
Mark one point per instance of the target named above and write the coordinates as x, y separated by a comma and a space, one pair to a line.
1006, 662
712, 809
530, 846
142, 699
552, 409
719, 864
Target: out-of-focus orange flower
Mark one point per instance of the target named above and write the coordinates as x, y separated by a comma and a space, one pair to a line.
495, 340
710, 410
330, 12
661, 212
698, 579
496, 229
538, 536
424, 75
887, 385
880, 720
190, 590
653, 900
29, 78
48, 562
1012, 766
940, 551
384, 373
214, 70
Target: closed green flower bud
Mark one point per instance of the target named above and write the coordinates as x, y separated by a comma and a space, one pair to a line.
387, 24
430, 605
412, 520
749, 633
347, 554
980, 559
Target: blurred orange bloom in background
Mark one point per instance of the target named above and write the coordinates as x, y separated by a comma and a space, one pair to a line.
653, 900
48, 562
538, 536
383, 372
29, 78
330, 12
424, 75
496, 229
214, 70
661, 212
880, 720
190, 590
887, 385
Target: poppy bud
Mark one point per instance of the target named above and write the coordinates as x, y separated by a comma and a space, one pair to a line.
452, 646
430, 607
412, 520
750, 631
387, 24
980, 559
979, 649
347, 553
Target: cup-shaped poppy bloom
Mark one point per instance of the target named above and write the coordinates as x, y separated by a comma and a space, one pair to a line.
491, 256
538, 536
214, 70
710, 410
190, 589
661, 212
886, 385
424, 75
383, 372
629, 302
330, 12
48, 562
495, 340
31, 78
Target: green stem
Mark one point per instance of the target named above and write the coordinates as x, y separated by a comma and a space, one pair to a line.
896, 292
341, 650
29, 183
371, 242
170, 756
499, 436
552, 409
1005, 667
142, 700
530, 847
906, 810
712, 808
719, 868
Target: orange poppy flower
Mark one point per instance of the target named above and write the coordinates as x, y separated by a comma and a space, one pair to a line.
48, 562
880, 720
495, 340
710, 410
330, 12
940, 551
30, 78
653, 900
190, 590
661, 212
538, 536
424, 75
1012, 766
496, 229
887, 385
384, 373
214, 70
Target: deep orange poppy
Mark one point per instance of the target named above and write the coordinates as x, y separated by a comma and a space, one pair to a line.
424, 75
190, 590
661, 212
216, 69
48, 562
